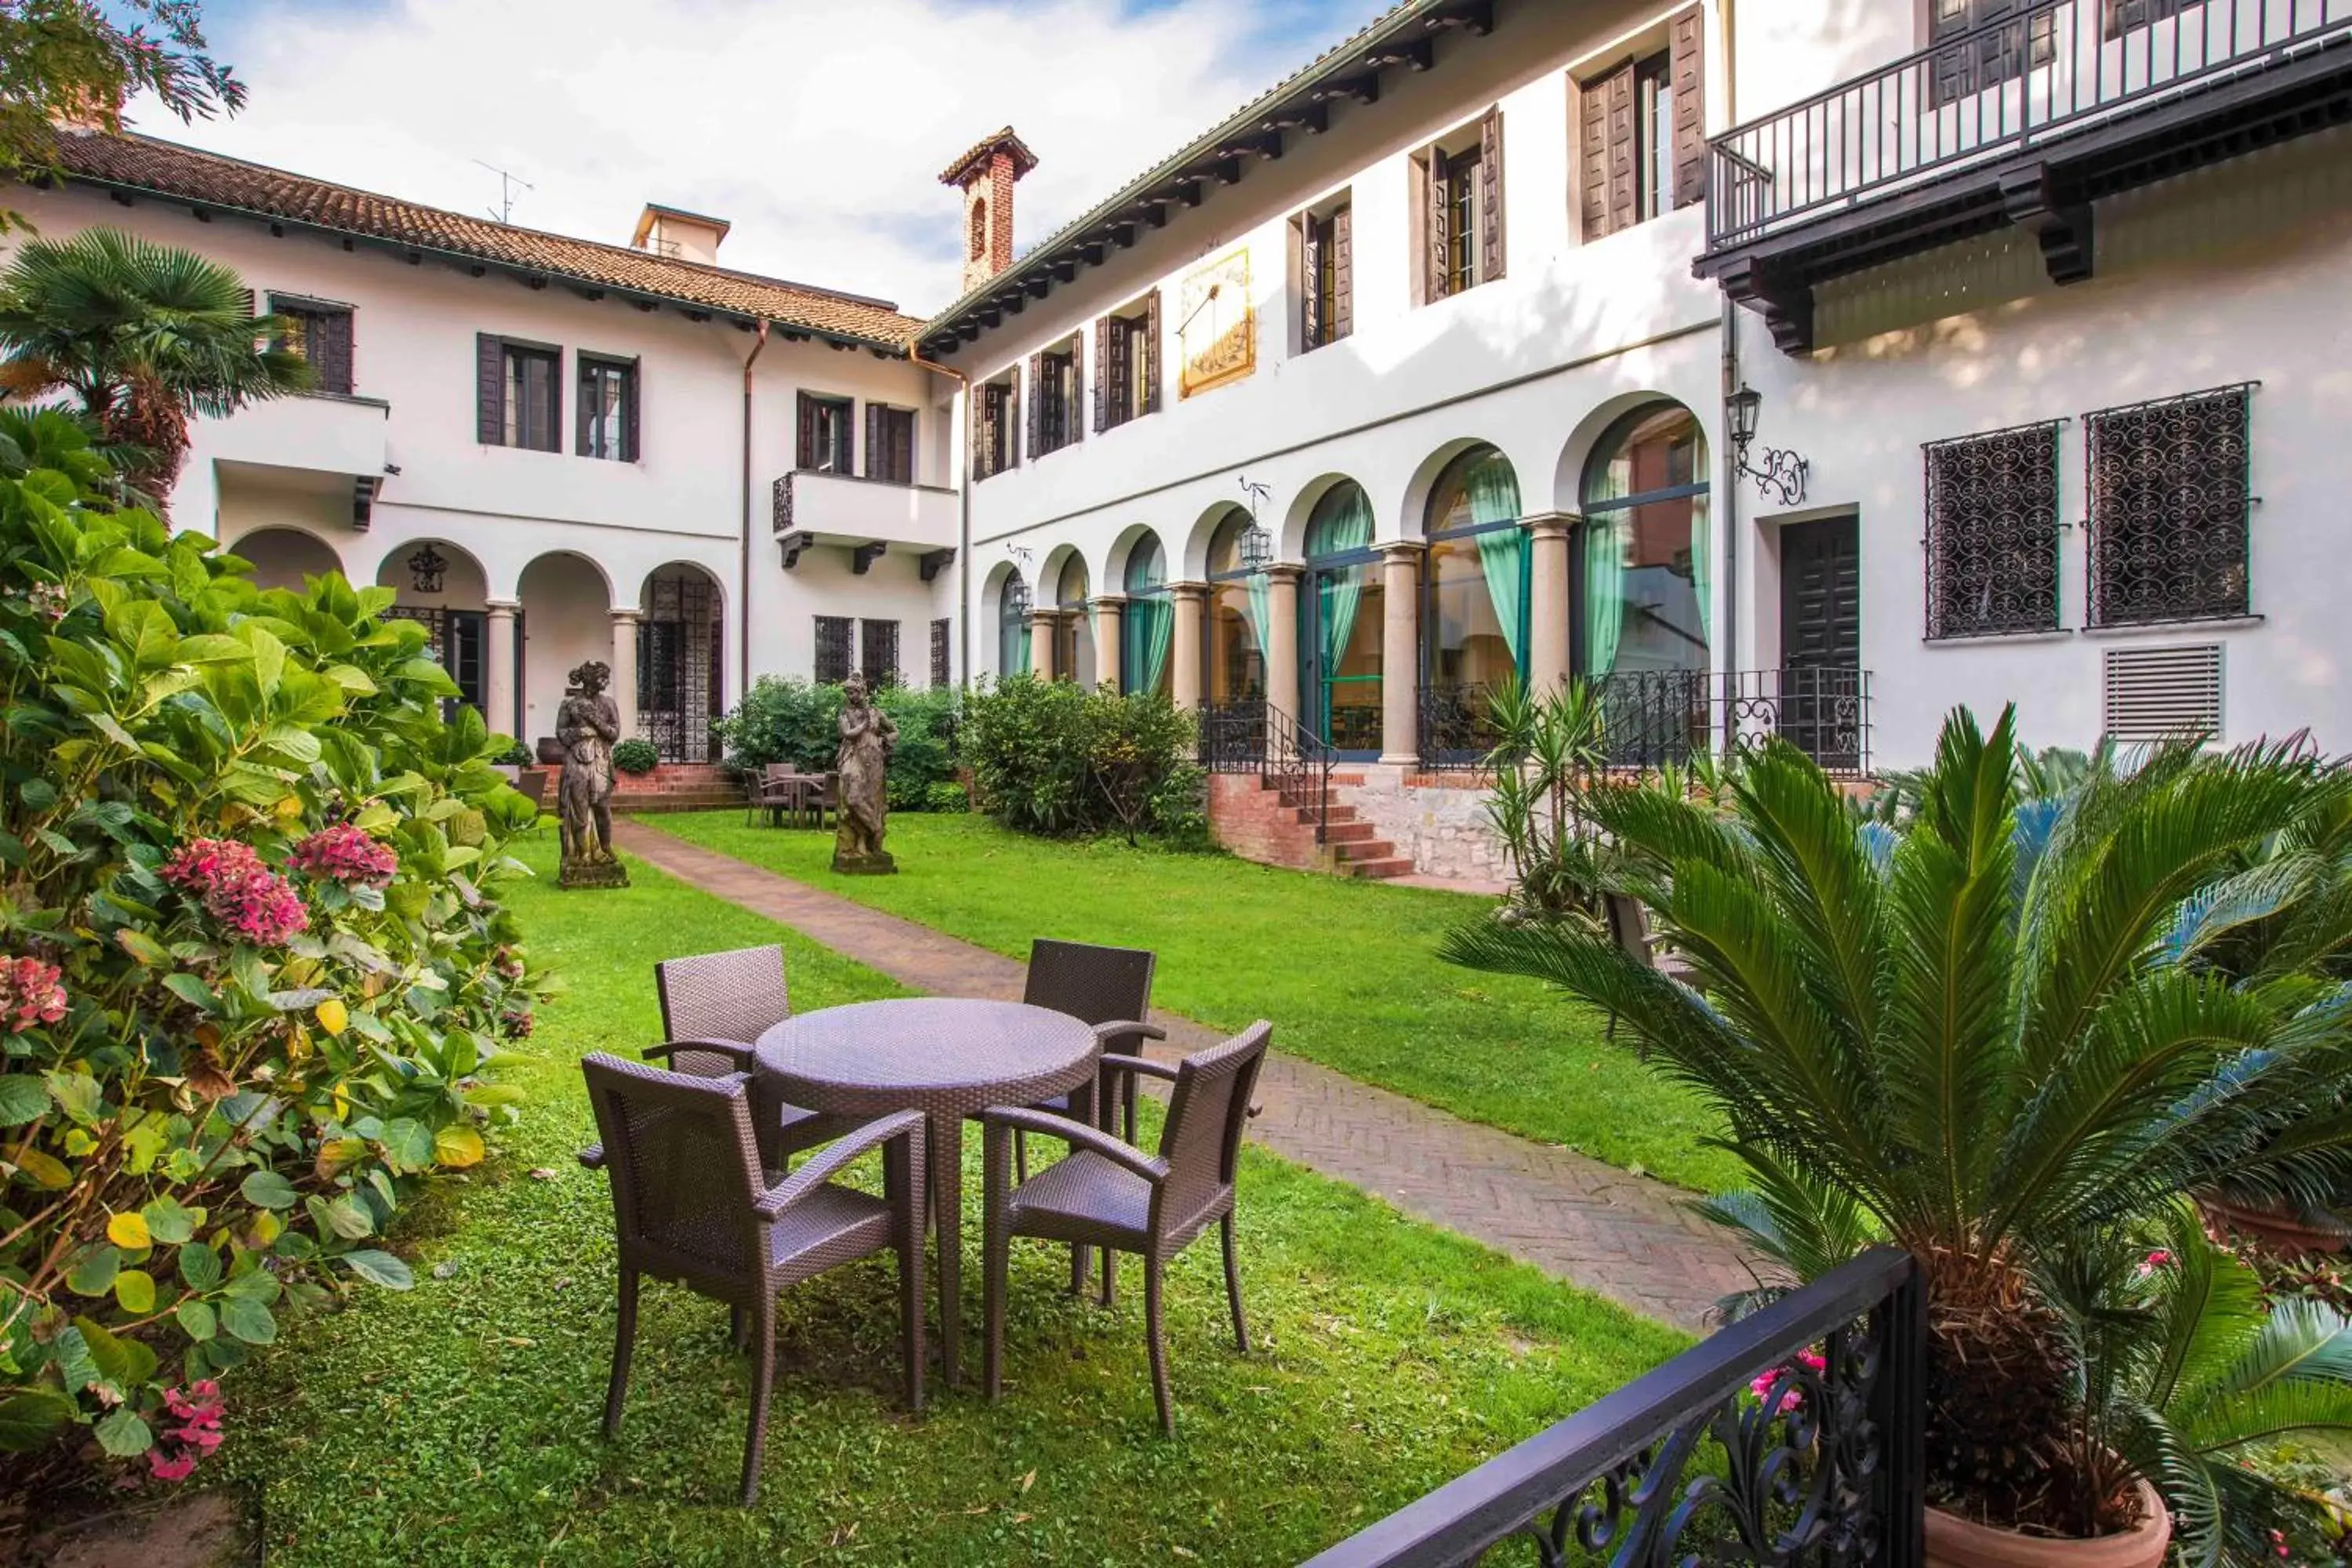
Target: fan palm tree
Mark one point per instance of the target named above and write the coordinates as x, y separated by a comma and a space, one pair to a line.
142, 335
1971, 1036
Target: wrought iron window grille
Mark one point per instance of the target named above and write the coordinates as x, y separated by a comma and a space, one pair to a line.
834, 635
1992, 532
2169, 488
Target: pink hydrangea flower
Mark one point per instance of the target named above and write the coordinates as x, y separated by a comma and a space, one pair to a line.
237, 890
197, 1412
31, 993
515, 1023
1794, 1399
345, 854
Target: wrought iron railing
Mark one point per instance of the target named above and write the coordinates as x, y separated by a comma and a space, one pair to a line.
1251, 736
1457, 729
1654, 717
2048, 69
1825, 1467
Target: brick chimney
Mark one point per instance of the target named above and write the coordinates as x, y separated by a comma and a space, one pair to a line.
986, 174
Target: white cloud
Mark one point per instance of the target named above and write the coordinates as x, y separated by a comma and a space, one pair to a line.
817, 129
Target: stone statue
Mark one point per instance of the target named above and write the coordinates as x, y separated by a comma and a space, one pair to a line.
586, 726
866, 737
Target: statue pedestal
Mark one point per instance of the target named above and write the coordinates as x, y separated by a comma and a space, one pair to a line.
607, 873
877, 864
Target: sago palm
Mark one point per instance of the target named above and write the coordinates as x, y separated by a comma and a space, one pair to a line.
1969, 1035
142, 335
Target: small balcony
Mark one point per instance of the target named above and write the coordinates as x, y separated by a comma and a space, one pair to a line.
2024, 120
319, 432
868, 517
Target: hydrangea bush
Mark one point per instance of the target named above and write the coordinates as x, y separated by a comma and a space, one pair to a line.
252, 963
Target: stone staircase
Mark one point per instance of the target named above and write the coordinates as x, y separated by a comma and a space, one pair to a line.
1274, 826
672, 786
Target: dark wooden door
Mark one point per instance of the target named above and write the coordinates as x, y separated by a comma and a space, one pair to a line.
1820, 698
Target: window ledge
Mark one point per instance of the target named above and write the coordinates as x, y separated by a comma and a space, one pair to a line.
2177, 628
1977, 639
381, 403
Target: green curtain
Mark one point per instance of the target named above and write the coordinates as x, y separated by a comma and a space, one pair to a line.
1347, 527
1502, 551
1703, 567
1604, 588
1150, 632
1260, 611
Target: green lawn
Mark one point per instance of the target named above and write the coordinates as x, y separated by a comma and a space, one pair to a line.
1346, 970
457, 1423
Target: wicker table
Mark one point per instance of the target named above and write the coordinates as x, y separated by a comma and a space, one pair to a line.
947, 1059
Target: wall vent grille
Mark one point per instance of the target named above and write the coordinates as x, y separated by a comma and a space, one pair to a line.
2157, 693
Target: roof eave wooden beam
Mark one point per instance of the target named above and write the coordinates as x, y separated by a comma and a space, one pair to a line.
1415, 54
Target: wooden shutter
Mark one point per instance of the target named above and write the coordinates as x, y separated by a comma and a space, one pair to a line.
1433, 224
1012, 419
1592, 158
874, 446
1623, 161
903, 447
1074, 393
1343, 273
1036, 398
1490, 196
983, 401
1105, 359
331, 331
490, 390
1310, 291
1151, 353
805, 455
1688, 73
632, 388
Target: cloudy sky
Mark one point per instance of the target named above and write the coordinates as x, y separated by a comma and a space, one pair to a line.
817, 127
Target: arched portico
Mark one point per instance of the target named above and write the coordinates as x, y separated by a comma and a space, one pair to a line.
283, 557
443, 586
681, 664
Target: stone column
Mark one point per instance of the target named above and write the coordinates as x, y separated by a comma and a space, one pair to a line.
499, 669
1401, 653
1282, 641
1110, 622
1191, 600
1042, 623
625, 669
1548, 635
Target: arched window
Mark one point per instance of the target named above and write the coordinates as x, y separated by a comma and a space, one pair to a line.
1149, 633
978, 227
1647, 548
1011, 627
1474, 603
1343, 613
1239, 619
1074, 635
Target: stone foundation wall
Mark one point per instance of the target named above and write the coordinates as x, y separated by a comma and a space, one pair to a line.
1439, 820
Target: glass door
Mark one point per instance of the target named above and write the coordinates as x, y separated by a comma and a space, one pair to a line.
1343, 607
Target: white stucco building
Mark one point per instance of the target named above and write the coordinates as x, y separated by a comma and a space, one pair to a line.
1428, 366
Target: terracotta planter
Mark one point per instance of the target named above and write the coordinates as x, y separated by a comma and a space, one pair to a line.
1956, 1542
2274, 1228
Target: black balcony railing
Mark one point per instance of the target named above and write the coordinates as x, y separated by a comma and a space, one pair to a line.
1652, 718
1825, 1467
2051, 69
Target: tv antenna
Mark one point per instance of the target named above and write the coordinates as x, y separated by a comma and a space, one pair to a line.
508, 182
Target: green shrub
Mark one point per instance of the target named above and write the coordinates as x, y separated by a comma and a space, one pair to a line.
251, 958
635, 756
1049, 757
947, 796
786, 719
517, 755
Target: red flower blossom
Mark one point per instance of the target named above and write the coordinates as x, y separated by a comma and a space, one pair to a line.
345, 854
31, 993
197, 1412
237, 890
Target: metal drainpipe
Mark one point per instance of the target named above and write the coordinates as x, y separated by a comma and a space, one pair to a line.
1730, 502
963, 526
743, 591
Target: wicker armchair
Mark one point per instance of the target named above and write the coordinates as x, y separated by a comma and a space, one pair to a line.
691, 1203
770, 793
1110, 1194
715, 1007
1110, 987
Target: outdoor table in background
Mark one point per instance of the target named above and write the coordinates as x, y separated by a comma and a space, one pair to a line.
947, 1059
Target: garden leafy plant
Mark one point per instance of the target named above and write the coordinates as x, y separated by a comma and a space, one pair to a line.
252, 960
1050, 757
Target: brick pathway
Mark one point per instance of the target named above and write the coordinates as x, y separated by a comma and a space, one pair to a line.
1624, 1236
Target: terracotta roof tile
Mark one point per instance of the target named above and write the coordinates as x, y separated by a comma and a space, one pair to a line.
166, 168
1024, 160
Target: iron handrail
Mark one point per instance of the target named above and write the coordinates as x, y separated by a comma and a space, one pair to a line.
2005, 83
1842, 1462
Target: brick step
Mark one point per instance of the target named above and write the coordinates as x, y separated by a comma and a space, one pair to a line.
1349, 833
1380, 870
1353, 850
